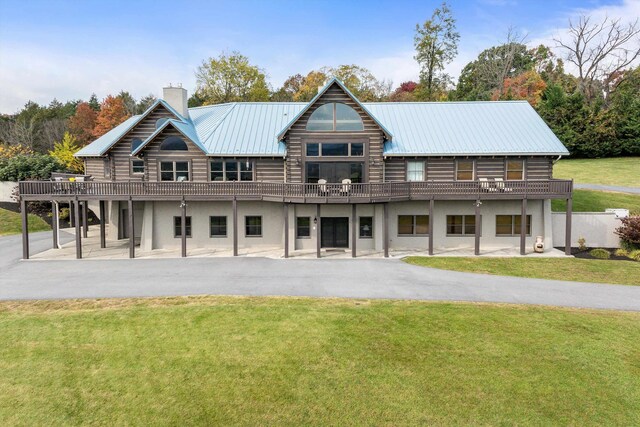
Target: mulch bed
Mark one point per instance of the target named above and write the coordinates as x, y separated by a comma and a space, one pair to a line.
43, 210
584, 254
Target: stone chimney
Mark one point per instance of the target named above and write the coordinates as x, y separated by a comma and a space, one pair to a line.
177, 98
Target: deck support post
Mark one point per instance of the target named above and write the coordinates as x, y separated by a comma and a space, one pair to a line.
54, 223
385, 242
476, 250
354, 230
71, 214
318, 233
183, 228
85, 219
25, 229
523, 227
132, 231
76, 214
567, 231
234, 208
286, 230
103, 234
431, 202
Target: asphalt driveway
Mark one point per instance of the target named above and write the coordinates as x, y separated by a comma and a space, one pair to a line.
359, 278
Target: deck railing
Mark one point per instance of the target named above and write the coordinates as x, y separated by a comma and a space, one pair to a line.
293, 191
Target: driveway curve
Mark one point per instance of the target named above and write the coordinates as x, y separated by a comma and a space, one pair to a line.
615, 188
359, 278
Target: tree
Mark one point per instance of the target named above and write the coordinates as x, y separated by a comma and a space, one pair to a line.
93, 102
309, 86
82, 124
528, 85
112, 113
64, 151
600, 51
406, 92
129, 102
360, 81
624, 112
289, 88
436, 44
230, 78
144, 103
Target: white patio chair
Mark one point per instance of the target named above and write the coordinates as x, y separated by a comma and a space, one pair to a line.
500, 185
485, 185
322, 185
346, 185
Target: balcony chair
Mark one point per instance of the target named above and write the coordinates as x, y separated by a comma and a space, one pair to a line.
500, 185
322, 186
346, 186
485, 185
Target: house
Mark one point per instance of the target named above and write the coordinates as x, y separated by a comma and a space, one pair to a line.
331, 173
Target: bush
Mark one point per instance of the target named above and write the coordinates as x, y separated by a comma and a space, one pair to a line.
629, 233
635, 255
600, 253
582, 244
23, 167
64, 151
622, 252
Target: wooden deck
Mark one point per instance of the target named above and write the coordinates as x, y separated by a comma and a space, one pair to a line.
297, 193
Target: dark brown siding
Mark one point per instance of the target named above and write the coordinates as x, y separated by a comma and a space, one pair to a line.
395, 170
195, 156
271, 170
372, 136
94, 166
490, 168
539, 168
441, 169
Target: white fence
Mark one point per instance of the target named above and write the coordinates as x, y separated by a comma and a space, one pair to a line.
6, 191
597, 228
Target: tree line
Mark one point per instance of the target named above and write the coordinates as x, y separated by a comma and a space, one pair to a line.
595, 112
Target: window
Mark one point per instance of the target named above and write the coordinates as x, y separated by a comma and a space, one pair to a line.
357, 149
173, 143
174, 171
303, 227
335, 149
217, 226
335, 116
313, 150
515, 169
461, 225
135, 143
253, 226
366, 227
137, 166
464, 170
413, 225
107, 167
177, 226
334, 171
231, 170
509, 225
415, 171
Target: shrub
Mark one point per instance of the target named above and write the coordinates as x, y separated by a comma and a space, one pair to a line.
23, 167
635, 255
600, 253
64, 213
629, 233
622, 252
64, 151
582, 243
9, 151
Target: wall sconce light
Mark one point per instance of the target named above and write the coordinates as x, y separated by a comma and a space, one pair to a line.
315, 220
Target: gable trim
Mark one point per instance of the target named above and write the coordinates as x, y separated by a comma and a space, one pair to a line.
159, 130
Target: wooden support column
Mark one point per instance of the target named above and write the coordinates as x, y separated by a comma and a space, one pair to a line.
431, 202
567, 231
103, 220
234, 206
318, 233
85, 219
132, 231
183, 228
354, 230
523, 227
54, 223
25, 228
71, 214
385, 243
477, 235
76, 214
286, 230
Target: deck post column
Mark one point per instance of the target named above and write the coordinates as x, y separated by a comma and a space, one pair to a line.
354, 230
431, 203
103, 236
132, 231
286, 230
523, 227
318, 233
71, 214
385, 242
85, 219
234, 206
183, 228
567, 231
54, 223
477, 233
25, 228
76, 214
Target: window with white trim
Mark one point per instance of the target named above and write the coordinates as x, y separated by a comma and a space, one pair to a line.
137, 166
415, 170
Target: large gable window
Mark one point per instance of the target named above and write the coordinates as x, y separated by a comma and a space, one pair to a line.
173, 143
335, 116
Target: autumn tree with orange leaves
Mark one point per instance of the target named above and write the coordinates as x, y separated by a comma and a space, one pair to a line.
82, 123
528, 85
112, 113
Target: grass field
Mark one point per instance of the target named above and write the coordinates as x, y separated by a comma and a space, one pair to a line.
598, 201
624, 171
293, 361
10, 223
574, 269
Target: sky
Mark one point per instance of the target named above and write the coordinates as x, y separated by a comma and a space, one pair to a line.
71, 49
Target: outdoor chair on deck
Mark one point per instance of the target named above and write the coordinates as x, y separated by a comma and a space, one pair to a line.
346, 186
322, 186
485, 185
500, 185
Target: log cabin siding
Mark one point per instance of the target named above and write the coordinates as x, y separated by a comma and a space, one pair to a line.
395, 170
270, 170
198, 161
539, 168
95, 166
372, 136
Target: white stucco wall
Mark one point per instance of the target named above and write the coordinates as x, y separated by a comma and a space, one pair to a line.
597, 228
6, 191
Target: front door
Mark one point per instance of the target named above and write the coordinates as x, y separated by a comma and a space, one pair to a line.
334, 232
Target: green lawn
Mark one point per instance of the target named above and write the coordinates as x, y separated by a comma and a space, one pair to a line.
10, 223
294, 361
575, 269
598, 201
624, 171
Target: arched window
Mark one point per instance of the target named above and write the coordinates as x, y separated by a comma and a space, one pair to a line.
160, 122
135, 143
335, 116
173, 143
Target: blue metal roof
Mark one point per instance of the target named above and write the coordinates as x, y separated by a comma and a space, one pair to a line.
106, 141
